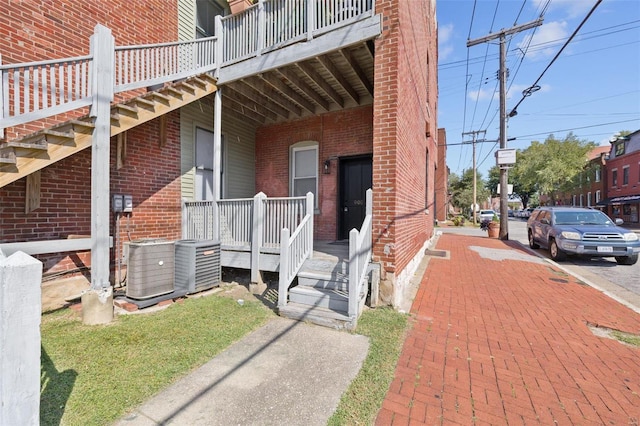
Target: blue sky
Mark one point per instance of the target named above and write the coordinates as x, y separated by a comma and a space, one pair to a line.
592, 89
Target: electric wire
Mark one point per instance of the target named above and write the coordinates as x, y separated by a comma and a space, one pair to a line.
525, 95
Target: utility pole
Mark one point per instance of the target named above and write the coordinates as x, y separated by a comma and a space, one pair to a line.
504, 193
473, 134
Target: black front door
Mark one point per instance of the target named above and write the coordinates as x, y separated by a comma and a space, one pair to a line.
355, 179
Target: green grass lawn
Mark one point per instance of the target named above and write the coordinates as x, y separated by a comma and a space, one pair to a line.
93, 375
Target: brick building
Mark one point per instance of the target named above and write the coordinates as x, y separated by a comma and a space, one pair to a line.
623, 176
335, 112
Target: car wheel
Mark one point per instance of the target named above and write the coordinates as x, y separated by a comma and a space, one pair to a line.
555, 252
627, 260
532, 242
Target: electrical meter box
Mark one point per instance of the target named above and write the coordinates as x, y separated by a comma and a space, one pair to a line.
116, 203
127, 203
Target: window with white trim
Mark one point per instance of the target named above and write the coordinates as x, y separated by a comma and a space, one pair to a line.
597, 196
573, 200
614, 177
588, 199
581, 200
625, 175
597, 173
303, 169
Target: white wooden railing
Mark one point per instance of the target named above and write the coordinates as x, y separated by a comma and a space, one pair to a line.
36, 90
294, 250
360, 244
272, 24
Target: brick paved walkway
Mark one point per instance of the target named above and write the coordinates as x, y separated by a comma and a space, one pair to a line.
502, 337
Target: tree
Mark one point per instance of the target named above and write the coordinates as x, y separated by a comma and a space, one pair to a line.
461, 189
551, 167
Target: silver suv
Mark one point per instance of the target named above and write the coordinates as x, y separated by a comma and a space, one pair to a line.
581, 231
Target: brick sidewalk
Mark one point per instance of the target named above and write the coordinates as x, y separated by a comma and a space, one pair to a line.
502, 337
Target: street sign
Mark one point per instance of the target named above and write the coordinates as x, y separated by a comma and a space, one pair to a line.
505, 157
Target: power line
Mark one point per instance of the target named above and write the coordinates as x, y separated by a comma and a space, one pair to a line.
577, 128
532, 88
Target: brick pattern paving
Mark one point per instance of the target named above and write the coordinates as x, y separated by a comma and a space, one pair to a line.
508, 342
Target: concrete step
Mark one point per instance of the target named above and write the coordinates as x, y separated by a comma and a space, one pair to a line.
318, 315
325, 298
323, 280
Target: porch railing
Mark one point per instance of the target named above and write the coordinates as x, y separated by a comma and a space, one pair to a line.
294, 250
360, 243
272, 24
35, 90
248, 224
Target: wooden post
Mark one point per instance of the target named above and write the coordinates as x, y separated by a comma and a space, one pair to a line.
283, 284
102, 51
217, 160
261, 28
354, 273
219, 47
310, 211
256, 235
20, 307
311, 19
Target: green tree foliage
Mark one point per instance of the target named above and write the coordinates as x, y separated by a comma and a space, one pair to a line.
461, 189
551, 167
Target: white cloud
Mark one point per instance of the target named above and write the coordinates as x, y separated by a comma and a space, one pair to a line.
445, 34
545, 41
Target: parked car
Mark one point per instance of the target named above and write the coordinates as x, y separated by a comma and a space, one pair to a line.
581, 231
486, 215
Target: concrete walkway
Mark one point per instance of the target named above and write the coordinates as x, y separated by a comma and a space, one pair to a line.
501, 336
285, 373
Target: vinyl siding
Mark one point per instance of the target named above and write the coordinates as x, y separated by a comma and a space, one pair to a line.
239, 157
186, 20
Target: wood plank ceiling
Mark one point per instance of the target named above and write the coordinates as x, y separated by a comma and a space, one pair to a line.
331, 82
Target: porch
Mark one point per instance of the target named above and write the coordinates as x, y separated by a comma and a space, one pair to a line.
319, 281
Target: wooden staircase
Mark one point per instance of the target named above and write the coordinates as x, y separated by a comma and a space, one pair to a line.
22, 157
321, 295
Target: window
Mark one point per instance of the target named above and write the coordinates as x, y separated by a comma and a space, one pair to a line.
597, 197
304, 170
573, 200
206, 12
588, 199
620, 148
597, 172
614, 177
625, 175
581, 200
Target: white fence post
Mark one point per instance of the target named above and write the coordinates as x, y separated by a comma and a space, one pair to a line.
354, 272
283, 284
310, 211
256, 235
103, 53
261, 28
20, 308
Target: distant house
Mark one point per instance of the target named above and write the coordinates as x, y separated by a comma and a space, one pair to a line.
205, 106
623, 178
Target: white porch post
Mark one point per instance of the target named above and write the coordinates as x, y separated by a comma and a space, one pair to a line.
310, 211
217, 160
256, 235
102, 51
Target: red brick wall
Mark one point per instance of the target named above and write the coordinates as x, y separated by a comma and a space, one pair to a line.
404, 128
150, 173
339, 134
37, 30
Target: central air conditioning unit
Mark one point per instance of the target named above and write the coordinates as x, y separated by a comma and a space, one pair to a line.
150, 268
197, 265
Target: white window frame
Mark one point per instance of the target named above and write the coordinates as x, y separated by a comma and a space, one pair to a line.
614, 178
300, 147
597, 196
625, 175
598, 171
589, 199
581, 200
573, 200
